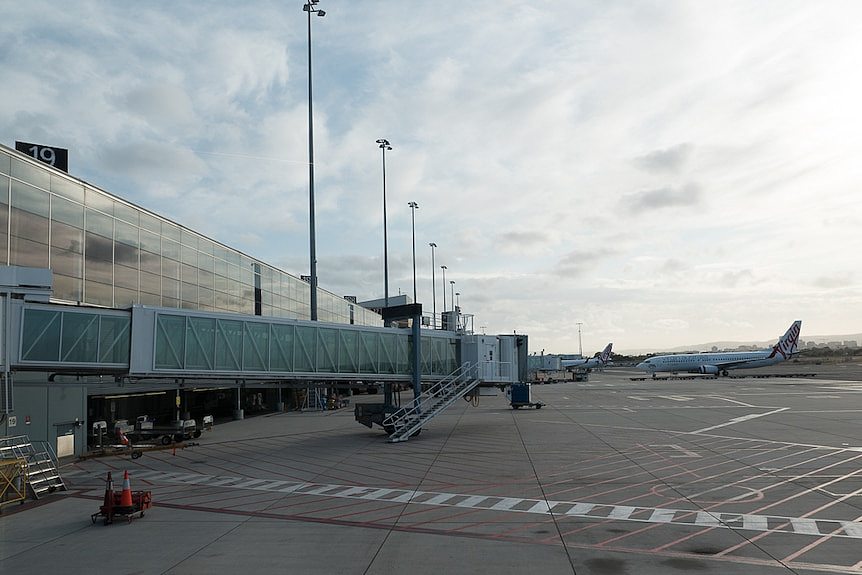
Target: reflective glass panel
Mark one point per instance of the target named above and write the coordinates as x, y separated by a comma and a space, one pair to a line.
67, 188
30, 173
99, 201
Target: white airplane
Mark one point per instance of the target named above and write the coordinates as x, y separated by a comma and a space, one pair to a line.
599, 360
715, 363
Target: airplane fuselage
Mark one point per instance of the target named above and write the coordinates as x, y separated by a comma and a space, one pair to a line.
708, 362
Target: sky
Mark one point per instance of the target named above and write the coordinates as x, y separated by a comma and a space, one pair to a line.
662, 172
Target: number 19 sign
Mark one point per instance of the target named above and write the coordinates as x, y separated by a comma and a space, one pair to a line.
57, 157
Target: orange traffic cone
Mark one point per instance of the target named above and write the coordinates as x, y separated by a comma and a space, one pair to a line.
108, 503
126, 496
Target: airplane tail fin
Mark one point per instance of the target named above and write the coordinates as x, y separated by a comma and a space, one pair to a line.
605, 356
788, 344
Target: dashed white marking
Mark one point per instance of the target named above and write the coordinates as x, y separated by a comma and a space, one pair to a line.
596, 511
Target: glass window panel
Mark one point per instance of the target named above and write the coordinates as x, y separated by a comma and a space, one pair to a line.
67, 287
206, 298
80, 338
67, 212
189, 293
171, 231
221, 283
205, 246
67, 188
32, 174
151, 283
125, 297
206, 279
150, 298
281, 358
255, 346
171, 249
67, 262
99, 223
125, 277
170, 301
4, 190
98, 200
98, 293
151, 263
220, 267
29, 226
170, 268
190, 255
99, 248
150, 242
200, 343
29, 199
40, 337
170, 341
205, 262
126, 233
189, 274
98, 270
219, 252
127, 213
228, 345
28, 253
170, 288
150, 222
5, 163
115, 341
126, 255
189, 239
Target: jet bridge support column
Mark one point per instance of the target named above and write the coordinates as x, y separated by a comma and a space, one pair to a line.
417, 356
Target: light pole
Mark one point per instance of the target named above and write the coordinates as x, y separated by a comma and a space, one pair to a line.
444, 268
413, 207
384, 145
433, 289
310, 8
580, 347
452, 285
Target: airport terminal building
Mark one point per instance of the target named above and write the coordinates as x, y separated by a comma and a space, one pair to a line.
108, 252
111, 312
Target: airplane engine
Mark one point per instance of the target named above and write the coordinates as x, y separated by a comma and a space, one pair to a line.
708, 369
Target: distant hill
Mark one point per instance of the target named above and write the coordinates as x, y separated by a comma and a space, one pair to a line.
722, 345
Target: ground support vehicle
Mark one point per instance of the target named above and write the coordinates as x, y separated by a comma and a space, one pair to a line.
519, 396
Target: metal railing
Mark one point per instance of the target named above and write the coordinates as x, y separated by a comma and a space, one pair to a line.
447, 389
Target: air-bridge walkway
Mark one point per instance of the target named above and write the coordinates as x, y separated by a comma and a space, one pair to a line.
147, 342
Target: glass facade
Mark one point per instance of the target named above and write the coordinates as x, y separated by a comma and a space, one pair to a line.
105, 251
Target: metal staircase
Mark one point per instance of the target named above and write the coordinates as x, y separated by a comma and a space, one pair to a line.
42, 473
408, 421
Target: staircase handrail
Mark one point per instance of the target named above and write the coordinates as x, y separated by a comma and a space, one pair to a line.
430, 394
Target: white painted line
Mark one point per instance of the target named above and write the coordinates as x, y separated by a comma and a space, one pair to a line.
707, 519
621, 512
438, 499
741, 419
472, 501
580, 508
662, 516
594, 511
540, 507
378, 494
804, 526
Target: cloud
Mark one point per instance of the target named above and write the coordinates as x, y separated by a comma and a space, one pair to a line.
686, 196
833, 282
666, 160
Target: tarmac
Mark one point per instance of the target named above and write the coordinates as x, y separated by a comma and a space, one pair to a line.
611, 476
